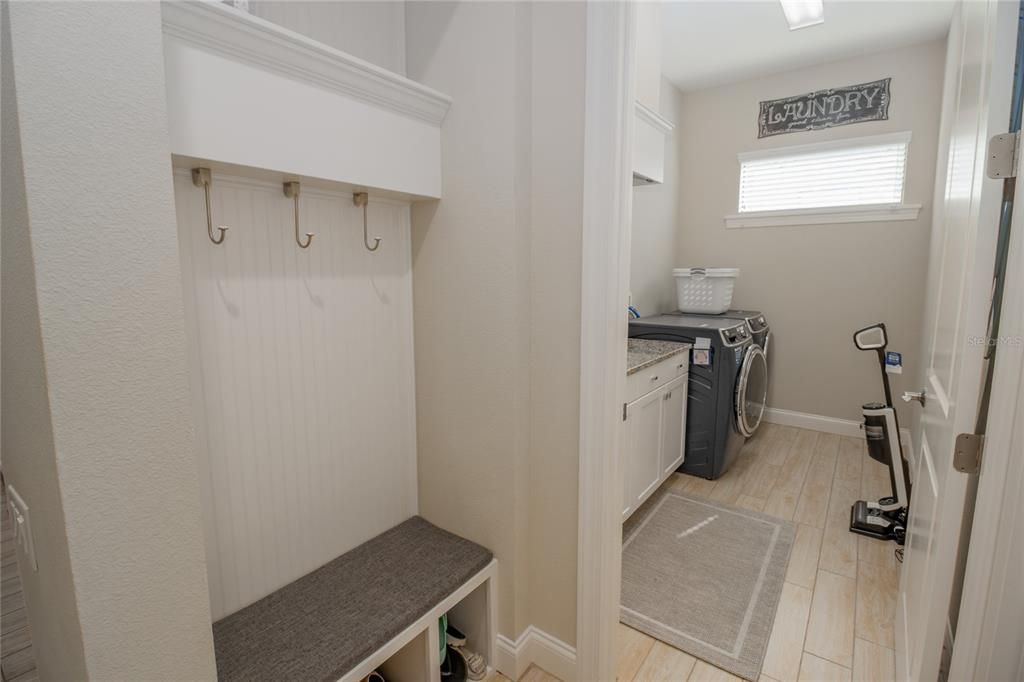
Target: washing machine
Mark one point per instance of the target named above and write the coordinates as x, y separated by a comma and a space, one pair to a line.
727, 388
757, 324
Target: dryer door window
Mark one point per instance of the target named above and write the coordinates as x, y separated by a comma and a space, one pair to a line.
751, 391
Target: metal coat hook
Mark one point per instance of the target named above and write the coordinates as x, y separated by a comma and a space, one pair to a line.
362, 199
201, 177
291, 190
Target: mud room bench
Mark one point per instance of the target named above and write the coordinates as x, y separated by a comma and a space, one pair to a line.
375, 607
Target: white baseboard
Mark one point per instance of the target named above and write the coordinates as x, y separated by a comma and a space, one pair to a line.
814, 422
818, 422
534, 646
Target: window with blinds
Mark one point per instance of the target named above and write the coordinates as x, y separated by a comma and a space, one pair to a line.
867, 171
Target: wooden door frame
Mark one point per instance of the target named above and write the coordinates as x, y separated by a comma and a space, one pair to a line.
988, 574
607, 217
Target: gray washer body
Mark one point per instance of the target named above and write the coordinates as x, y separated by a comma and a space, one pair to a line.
713, 440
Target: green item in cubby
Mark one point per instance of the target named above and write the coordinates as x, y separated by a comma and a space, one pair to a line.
442, 628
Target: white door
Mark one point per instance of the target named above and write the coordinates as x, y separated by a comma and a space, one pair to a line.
979, 70
673, 426
643, 448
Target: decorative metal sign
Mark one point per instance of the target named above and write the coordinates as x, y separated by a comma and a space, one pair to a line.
825, 109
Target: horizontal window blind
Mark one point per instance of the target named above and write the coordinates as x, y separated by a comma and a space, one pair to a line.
858, 174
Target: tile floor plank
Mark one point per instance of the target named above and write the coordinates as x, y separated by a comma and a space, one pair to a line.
537, 674
831, 626
873, 663
881, 553
633, 649
812, 507
751, 503
783, 499
803, 561
814, 669
761, 479
665, 664
780, 444
705, 672
701, 487
852, 453
876, 604
782, 658
839, 545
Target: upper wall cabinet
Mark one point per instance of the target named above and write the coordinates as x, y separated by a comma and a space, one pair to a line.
650, 132
242, 91
648, 54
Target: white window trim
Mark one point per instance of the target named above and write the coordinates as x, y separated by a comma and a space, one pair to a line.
868, 213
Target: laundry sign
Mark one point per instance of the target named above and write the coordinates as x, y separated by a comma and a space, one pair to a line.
825, 109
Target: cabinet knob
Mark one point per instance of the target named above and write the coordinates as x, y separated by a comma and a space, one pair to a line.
667, 395
654, 378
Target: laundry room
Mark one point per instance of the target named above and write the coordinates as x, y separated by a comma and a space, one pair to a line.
788, 205
516, 341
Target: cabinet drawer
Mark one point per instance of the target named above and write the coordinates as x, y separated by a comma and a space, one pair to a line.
646, 380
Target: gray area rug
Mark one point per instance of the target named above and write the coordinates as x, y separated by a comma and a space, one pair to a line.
705, 578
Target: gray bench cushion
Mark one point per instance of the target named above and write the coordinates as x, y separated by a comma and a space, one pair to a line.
323, 624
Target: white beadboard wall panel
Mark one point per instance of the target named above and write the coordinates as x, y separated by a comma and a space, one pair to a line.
302, 376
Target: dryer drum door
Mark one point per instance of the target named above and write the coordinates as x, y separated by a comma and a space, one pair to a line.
751, 391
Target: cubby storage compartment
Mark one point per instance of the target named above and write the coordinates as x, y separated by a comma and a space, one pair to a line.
414, 655
414, 661
473, 616
243, 92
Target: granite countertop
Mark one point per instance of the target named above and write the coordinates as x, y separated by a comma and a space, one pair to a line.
643, 353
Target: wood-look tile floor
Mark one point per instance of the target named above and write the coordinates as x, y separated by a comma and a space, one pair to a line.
17, 662
837, 612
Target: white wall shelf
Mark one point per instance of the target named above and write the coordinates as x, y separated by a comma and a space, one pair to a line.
244, 92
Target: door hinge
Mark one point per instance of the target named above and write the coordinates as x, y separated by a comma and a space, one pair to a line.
1003, 156
967, 452
624, 406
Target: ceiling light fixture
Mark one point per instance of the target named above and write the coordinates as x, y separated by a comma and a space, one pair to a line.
803, 13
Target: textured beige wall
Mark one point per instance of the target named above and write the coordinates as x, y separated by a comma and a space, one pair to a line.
101, 229
556, 234
496, 276
816, 283
29, 461
373, 30
656, 210
468, 291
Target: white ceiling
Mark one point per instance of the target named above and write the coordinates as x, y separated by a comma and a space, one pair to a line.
712, 42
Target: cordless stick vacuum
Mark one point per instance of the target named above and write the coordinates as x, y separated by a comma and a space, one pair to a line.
885, 519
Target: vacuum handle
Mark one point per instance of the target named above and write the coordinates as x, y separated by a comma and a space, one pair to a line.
919, 396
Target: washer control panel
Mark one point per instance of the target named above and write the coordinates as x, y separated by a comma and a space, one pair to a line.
736, 335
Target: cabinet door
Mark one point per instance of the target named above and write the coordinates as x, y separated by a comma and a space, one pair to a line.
642, 464
673, 425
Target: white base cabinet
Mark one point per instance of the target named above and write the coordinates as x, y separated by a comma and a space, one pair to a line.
655, 431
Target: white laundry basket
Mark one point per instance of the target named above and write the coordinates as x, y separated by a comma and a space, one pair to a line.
705, 290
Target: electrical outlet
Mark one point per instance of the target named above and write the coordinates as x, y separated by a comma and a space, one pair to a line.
22, 525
